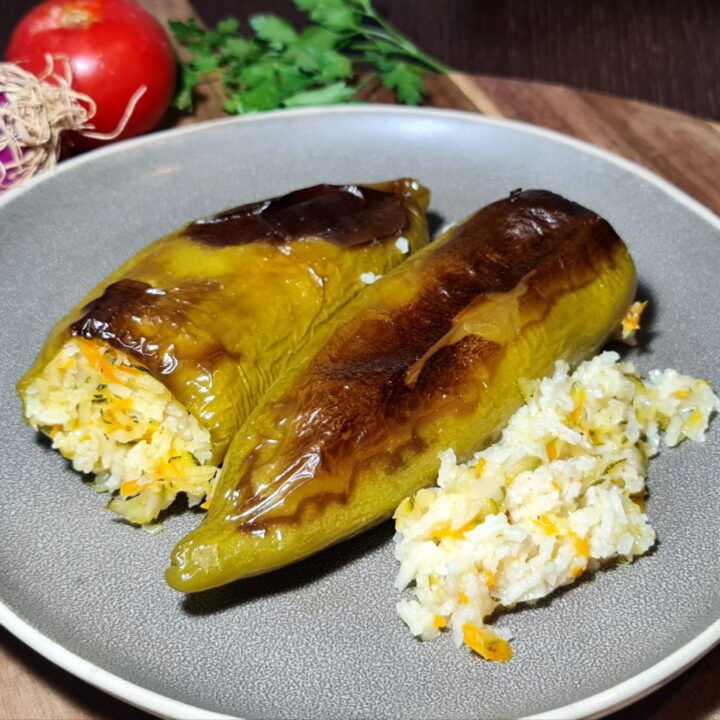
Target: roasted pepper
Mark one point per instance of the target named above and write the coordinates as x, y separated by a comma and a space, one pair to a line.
220, 308
432, 356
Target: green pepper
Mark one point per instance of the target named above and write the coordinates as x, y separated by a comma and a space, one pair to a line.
220, 308
432, 356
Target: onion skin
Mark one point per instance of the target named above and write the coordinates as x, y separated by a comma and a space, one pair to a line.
36, 111
7, 159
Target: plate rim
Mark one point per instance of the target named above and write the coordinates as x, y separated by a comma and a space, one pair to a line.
594, 706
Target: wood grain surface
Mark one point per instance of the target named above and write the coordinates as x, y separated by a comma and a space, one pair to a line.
660, 51
682, 149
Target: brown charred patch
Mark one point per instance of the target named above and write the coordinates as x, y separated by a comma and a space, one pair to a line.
445, 371
354, 402
108, 317
145, 322
347, 215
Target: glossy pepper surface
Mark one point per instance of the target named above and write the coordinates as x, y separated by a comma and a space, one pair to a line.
432, 356
221, 307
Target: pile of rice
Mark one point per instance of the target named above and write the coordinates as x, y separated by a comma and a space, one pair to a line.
560, 494
110, 417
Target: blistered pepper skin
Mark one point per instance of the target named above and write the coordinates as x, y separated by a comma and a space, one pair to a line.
221, 307
430, 357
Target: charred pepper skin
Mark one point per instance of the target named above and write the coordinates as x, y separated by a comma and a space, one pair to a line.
431, 356
218, 309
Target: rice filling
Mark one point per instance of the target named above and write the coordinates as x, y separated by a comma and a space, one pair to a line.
109, 416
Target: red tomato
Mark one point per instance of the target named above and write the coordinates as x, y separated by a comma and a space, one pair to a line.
114, 47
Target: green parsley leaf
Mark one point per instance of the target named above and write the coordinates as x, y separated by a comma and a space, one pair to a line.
205, 63
382, 62
187, 80
327, 64
273, 30
278, 67
291, 80
186, 33
261, 72
333, 66
265, 96
233, 105
332, 14
406, 80
237, 48
228, 26
329, 95
320, 37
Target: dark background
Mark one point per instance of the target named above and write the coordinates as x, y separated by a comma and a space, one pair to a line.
662, 51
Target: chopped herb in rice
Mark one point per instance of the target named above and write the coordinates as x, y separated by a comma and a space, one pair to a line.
110, 417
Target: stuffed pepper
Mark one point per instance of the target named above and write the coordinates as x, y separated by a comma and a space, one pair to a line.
148, 379
432, 356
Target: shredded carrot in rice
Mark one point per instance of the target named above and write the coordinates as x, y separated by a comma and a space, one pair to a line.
631, 321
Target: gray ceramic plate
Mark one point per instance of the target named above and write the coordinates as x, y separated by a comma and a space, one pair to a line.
321, 639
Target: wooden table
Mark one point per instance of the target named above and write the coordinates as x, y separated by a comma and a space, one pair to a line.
659, 51
682, 149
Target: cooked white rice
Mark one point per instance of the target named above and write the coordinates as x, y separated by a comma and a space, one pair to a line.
110, 417
369, 278
561, 493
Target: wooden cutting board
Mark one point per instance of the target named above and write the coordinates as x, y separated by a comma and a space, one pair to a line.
682, 149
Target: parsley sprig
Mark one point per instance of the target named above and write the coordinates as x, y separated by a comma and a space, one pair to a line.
278, 67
